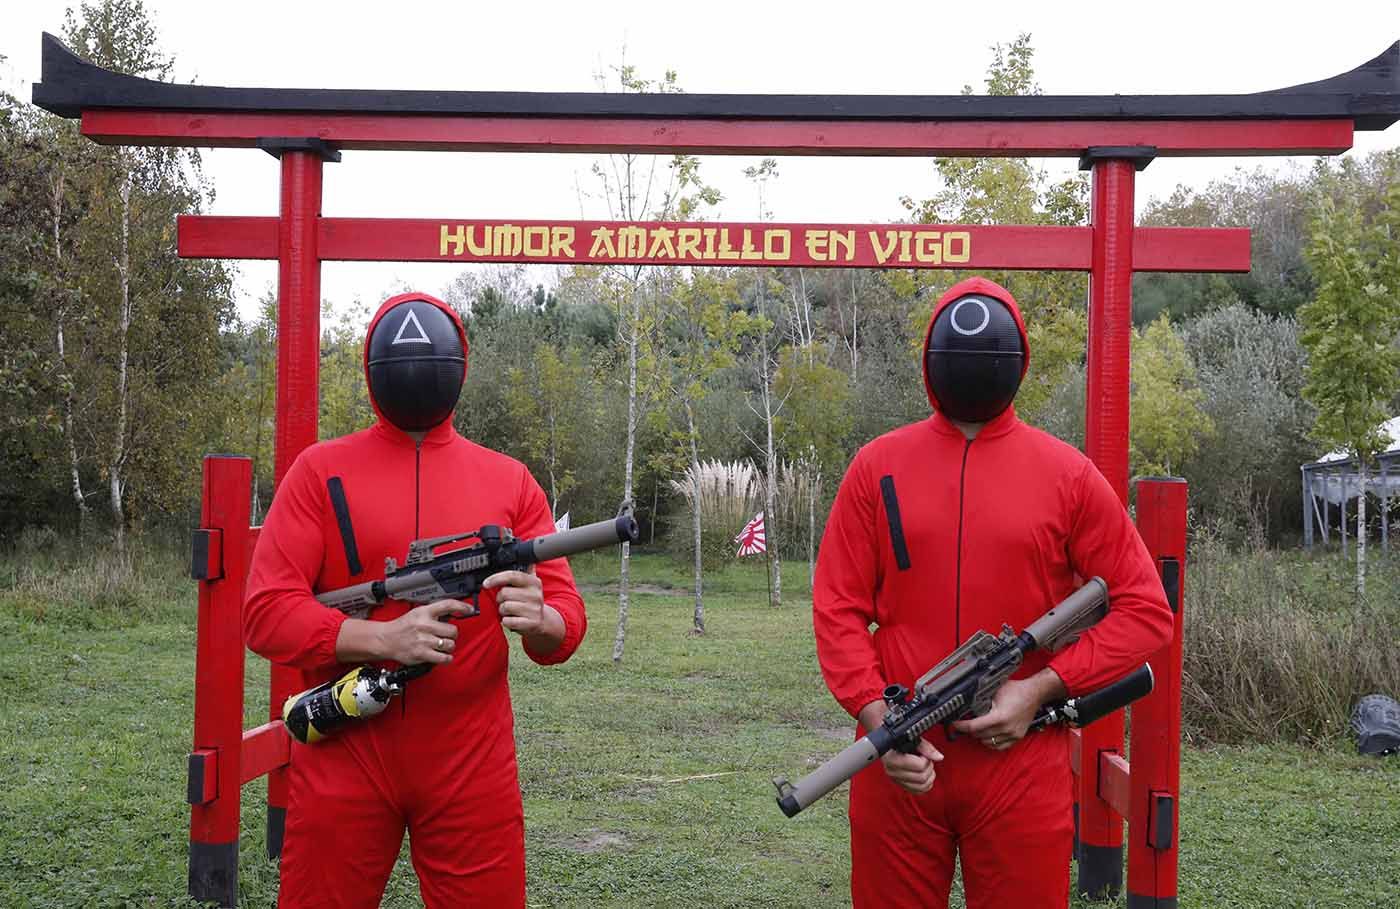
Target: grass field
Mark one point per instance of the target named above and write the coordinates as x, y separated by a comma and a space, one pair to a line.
646, 784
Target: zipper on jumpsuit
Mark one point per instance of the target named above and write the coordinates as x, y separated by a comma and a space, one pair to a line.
957, 592
417, 481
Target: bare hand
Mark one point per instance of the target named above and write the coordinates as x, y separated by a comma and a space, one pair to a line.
420, 635
912, 772
1013, 707
519, 600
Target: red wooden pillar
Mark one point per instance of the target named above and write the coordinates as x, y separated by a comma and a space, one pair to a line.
298, 373
219, 563
1156, 738
1100, 829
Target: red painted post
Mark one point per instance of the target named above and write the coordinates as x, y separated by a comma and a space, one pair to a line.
298, 388
1156, 737
1100, 828
219, 563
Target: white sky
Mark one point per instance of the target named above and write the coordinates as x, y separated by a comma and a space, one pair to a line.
812, 47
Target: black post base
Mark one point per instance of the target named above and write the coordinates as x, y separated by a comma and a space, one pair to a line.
276, 823
214, 872
1100, 871
1138, 901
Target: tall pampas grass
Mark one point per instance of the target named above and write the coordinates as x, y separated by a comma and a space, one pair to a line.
729, 495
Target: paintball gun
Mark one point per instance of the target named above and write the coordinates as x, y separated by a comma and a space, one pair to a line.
426, 577
963, 685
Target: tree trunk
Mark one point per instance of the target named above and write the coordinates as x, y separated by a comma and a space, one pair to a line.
621, 637
79, 500
855, 318
1361, 528
695, 519
553, 458
770, 485
118, 458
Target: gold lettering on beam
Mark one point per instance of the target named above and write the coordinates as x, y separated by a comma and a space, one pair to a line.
485, 248
882, 251
507, 240
775, 251
963, 241
631, 242
843, 244
927, 248
561, 242
688, 242
817, 245
536, 241
661, 246
457, 238
602, 244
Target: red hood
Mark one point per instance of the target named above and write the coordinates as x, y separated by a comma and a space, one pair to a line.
390, 304
962, 289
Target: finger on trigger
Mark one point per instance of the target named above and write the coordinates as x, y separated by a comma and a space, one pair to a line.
440, 608
503, 579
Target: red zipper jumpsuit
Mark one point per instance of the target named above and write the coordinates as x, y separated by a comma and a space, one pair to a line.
440, 761
997, 531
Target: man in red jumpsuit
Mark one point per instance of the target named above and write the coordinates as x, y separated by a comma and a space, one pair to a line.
965, 521
441, 762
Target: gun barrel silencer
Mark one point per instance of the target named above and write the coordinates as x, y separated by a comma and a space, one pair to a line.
581, 539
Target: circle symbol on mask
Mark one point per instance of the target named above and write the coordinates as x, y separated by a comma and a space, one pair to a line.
973, 365
957, 307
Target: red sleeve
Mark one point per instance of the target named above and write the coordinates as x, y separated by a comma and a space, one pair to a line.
555, 576
843, 594
1104, 542
281, 619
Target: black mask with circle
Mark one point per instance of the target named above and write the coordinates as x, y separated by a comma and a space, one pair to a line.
974, 358
416, 365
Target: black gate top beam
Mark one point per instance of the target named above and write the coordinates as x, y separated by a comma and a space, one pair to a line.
1368, 96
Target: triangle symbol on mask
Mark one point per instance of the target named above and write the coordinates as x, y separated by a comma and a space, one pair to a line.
420, 338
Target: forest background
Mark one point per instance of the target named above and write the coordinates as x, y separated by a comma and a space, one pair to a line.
703, 395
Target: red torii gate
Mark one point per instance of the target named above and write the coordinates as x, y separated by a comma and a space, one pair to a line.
1112, 135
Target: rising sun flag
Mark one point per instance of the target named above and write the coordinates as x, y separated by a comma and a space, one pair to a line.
751, 539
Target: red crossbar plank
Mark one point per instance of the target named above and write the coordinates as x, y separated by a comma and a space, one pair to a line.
1074, 749
224, 237
1195, 249
265, 748
1035, 138
1113, 782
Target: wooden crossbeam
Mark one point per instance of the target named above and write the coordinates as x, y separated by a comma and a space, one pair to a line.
961, 246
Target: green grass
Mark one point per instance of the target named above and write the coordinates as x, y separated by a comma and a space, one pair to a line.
646, 784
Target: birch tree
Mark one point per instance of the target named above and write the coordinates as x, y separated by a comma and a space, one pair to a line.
633, 190
768, 405
1350, 328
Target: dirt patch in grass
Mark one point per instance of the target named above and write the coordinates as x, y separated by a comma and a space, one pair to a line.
653, 589
589, 841
844, 734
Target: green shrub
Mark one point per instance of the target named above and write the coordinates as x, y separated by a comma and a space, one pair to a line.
1278, 647
88, 584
